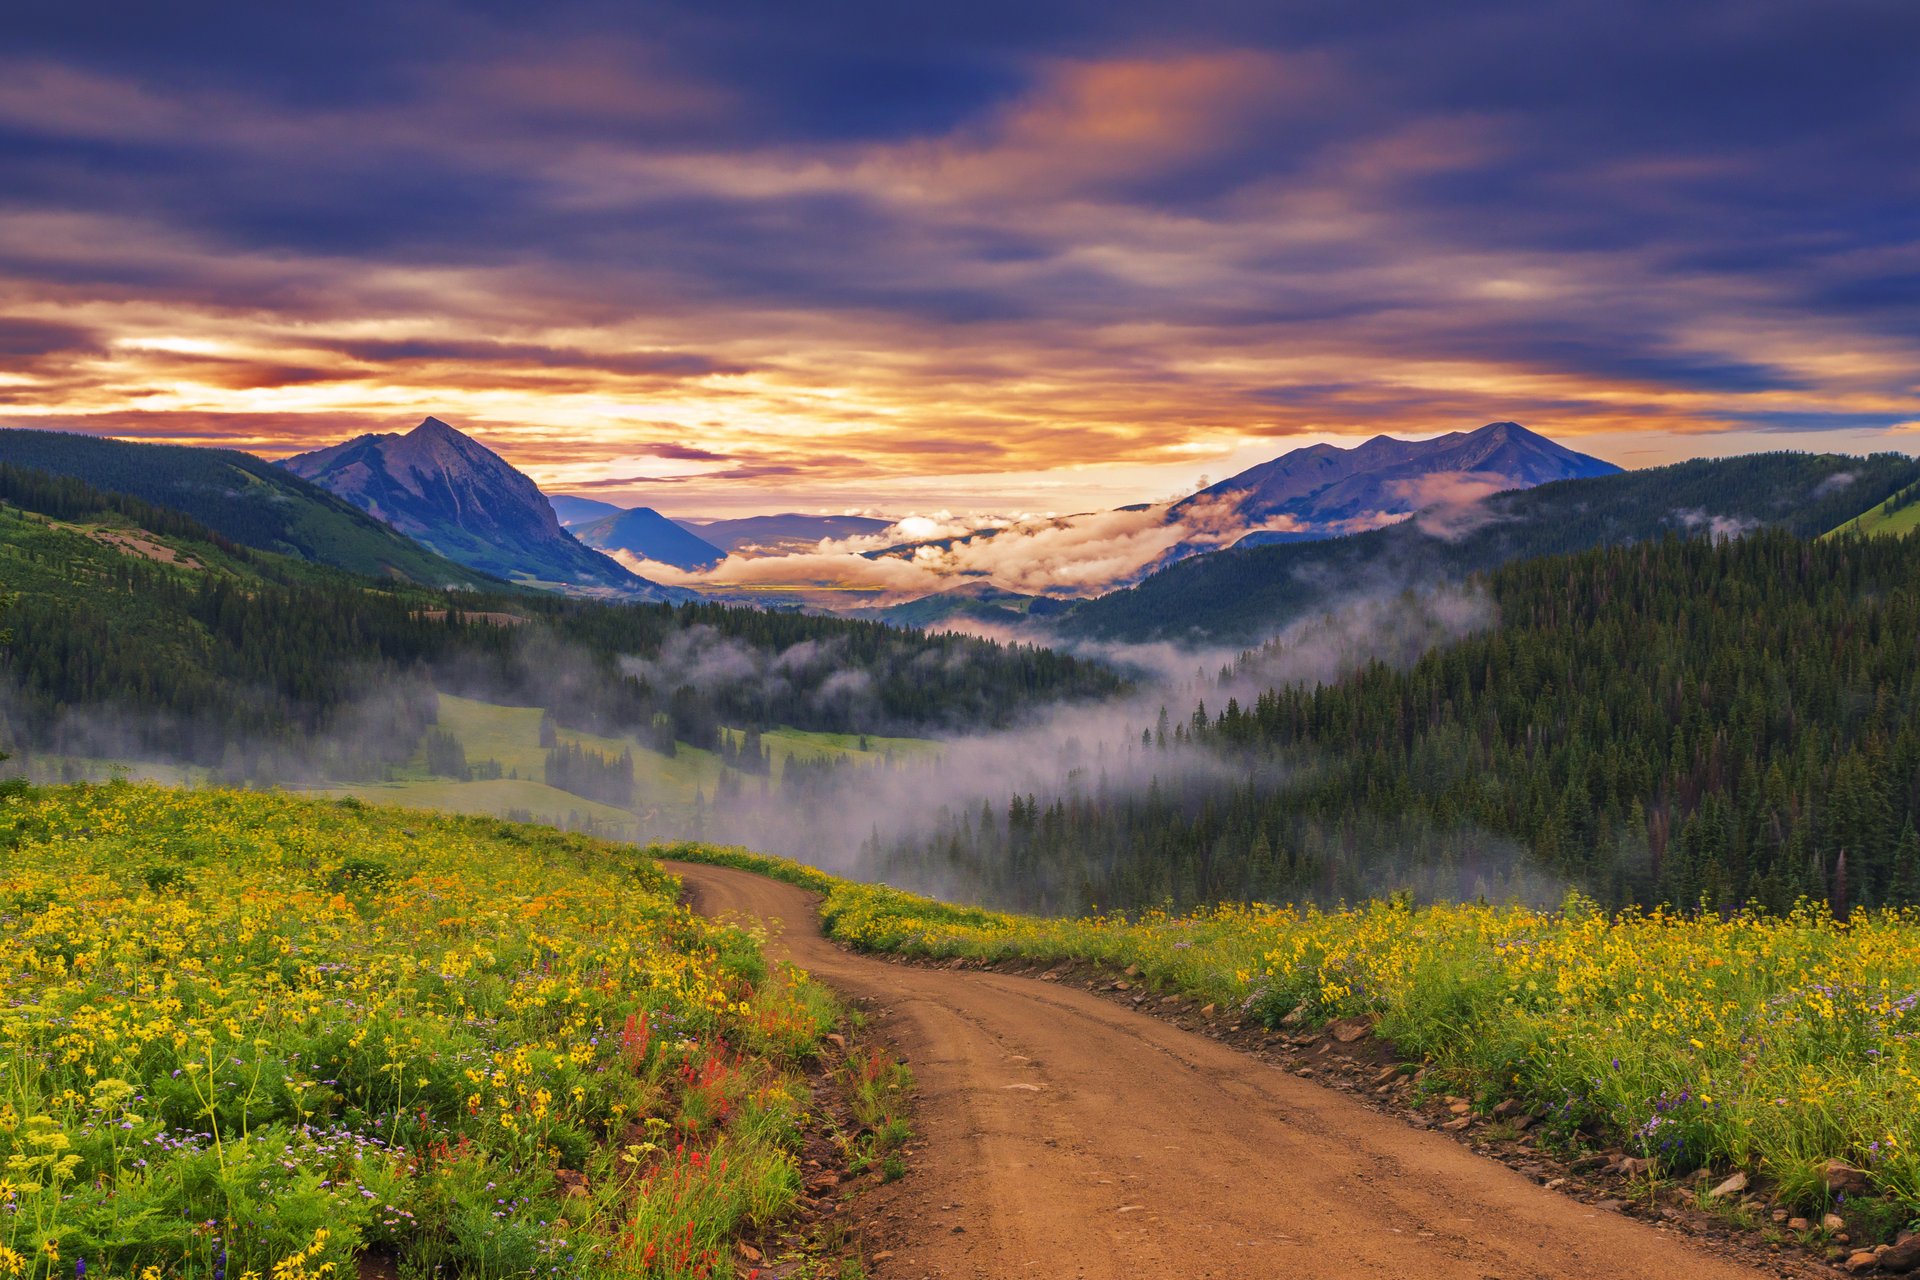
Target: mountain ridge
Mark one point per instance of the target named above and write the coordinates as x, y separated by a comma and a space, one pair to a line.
452, 494
1325, 490
1244, 593
645, 533
785, 532
572, 509
241, 497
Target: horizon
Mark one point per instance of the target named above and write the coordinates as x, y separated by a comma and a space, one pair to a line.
1007, 258
747, 506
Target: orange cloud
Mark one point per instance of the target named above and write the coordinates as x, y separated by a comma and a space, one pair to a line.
1006, 314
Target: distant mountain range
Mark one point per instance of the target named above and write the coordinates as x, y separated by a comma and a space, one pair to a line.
700, 544
783, 534
1240, 559
1325, 491
573, 510
456, 497
1249, 592
1309, 494
243, 498
645, 533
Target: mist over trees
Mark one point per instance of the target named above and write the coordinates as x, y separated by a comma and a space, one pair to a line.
1728, 717
592, 775
1687, 721
215, 650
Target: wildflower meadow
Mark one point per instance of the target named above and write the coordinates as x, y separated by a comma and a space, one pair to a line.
1771, 1043
246, 1035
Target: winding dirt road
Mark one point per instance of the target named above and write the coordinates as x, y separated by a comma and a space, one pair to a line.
1067, 1136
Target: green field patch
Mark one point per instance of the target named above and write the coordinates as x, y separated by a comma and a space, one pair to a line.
488, 731
511, 737
522, 799
803, 744
1887, 520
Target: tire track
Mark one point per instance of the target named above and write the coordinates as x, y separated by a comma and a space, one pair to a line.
1141, 1150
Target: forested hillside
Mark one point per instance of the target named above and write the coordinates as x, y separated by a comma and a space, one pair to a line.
123, 639
1242, 595
241, 498
1899, 514
1677, 721
140, 632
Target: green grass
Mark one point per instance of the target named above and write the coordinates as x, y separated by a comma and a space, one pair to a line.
521, 797
1880, 522
487, 731
877, 1086
275, 1036
511, 735
786, 744
57, 769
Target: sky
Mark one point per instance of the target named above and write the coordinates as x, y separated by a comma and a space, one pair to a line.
1007, 257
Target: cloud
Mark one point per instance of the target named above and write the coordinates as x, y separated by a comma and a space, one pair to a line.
662, 364
1718, 528
754, 471
1449, 505
684, 453
1068, 556
1834, 483
956, 253
21, 338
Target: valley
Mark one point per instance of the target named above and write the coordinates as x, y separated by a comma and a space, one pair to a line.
1509, 864
672, 794
1444, 872
672, 641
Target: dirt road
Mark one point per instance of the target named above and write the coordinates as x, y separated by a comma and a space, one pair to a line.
1067, 1136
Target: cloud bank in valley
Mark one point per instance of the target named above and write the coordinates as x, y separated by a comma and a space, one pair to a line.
1078, 750
1065, 556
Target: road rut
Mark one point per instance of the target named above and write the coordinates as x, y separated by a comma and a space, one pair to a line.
1067, 1136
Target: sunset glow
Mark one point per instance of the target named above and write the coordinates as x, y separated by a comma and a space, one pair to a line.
997, 262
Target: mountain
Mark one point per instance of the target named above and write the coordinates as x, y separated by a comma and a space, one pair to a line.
450, 493
135, 631
573, 510
1323, 491
782, 534
1241, 595
645, 533
1307, 495
240, 497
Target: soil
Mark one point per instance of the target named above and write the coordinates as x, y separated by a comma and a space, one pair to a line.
135, 544
1064, 1132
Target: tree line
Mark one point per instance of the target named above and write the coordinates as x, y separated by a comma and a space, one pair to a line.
591, 774
236, 652
1681, 721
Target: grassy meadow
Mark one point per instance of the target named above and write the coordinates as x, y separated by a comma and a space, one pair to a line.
1766, 1044
253, 1035
510, 736
1887, 520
